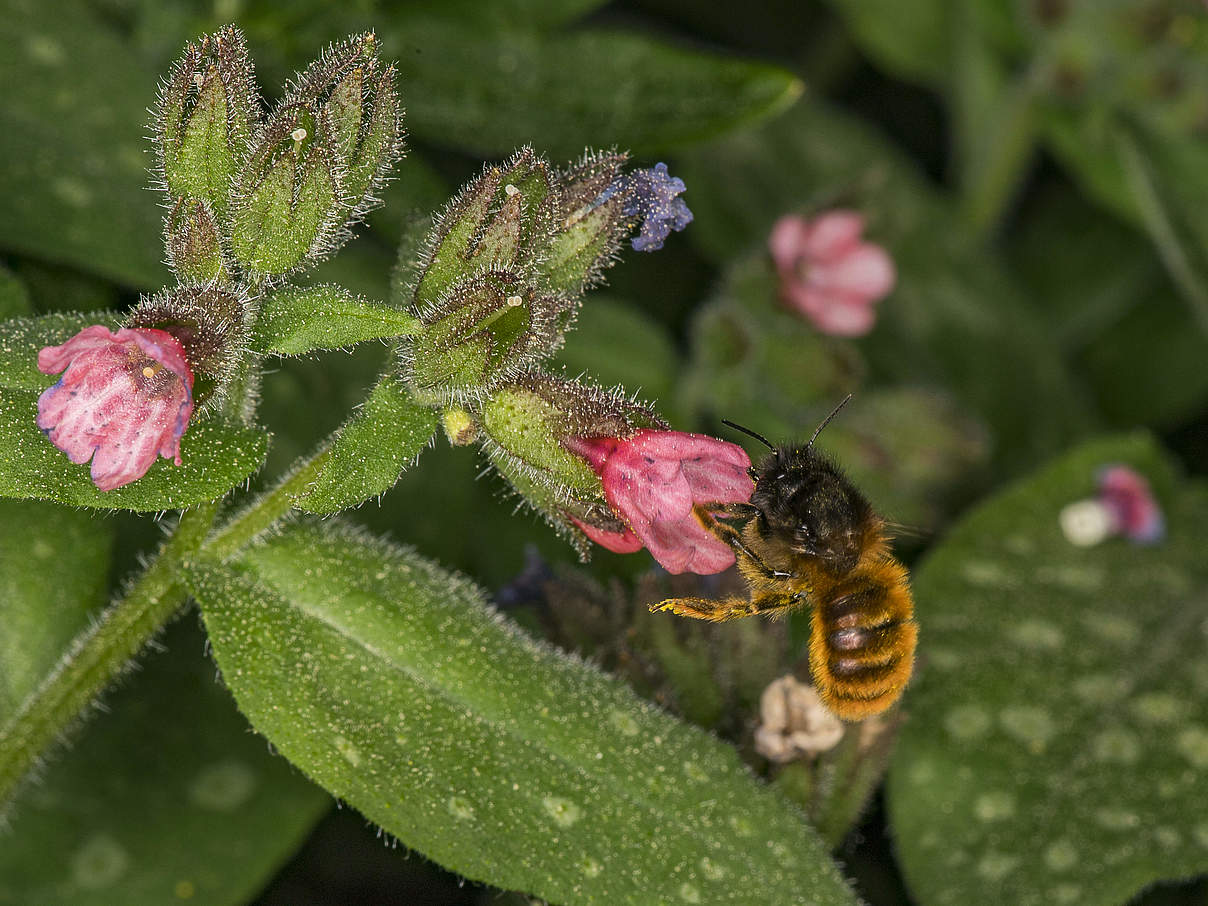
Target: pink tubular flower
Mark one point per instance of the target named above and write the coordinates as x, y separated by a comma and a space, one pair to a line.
125, 397
652, 480
1135, 512
828, 273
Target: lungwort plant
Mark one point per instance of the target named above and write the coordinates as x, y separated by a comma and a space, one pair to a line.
385, 679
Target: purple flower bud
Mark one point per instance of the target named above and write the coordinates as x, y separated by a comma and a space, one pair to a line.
124, 399
651, 195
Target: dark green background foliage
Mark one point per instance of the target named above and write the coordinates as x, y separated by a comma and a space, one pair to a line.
1036, 168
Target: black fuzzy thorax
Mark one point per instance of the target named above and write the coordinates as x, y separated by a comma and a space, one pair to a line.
806, 503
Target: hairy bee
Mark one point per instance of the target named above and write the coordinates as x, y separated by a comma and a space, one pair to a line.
808, 536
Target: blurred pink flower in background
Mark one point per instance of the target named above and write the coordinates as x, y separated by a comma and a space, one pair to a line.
1134, 510
652, 480
124, 398
828, 273
1124, 505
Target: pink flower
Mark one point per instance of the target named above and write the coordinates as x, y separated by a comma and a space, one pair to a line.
124, 398
1124, 506
1134, 511
827, 273
652, 480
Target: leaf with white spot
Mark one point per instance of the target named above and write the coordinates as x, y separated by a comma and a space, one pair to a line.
166, 799
392, 684
1056, 746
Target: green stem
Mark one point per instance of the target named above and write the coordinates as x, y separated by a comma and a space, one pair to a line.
100, 653
264, 512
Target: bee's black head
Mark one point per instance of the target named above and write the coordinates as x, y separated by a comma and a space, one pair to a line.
806, 502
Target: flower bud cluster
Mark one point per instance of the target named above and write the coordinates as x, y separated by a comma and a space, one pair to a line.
507, 263
253, 196
250, 198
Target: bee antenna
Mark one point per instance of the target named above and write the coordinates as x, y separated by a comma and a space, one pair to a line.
826, 421
759, 437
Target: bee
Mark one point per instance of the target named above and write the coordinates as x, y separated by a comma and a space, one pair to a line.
808, 536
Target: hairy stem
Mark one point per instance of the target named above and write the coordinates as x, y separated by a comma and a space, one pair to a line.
265, 511
99, 654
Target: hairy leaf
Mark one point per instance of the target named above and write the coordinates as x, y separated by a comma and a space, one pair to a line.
1057, 741
392, 684
371, 449
299, 319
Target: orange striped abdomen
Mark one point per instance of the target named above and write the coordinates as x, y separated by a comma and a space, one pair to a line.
862, 638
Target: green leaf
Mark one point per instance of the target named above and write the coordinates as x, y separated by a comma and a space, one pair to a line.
299, 319
72, 139
371, 449
166, 798
1057, 739
1111, 305
215, 457
392, 684
494, 92
41, 615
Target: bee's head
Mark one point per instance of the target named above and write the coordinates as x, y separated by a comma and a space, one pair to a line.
806, 503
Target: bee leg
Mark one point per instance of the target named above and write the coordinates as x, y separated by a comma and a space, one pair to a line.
728, 608
727, 534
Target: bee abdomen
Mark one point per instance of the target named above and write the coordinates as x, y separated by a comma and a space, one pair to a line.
862, 641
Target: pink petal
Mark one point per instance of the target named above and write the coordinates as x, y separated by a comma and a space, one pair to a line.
786, 242
832, 234
865, 271
53, 359
625, 542
108, 408
1134, 509
834, 313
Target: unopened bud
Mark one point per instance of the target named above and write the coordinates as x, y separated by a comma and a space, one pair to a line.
288, 205
460, 427
356, 94
503, 219
593, 226
207, 112
194, 245
485, 330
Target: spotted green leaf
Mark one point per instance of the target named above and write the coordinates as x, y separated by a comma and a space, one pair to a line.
1056, 746
166, 798
299, 319
41, 617
393, 685
371, 449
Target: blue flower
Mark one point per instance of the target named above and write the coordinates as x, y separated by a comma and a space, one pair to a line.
652, 196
